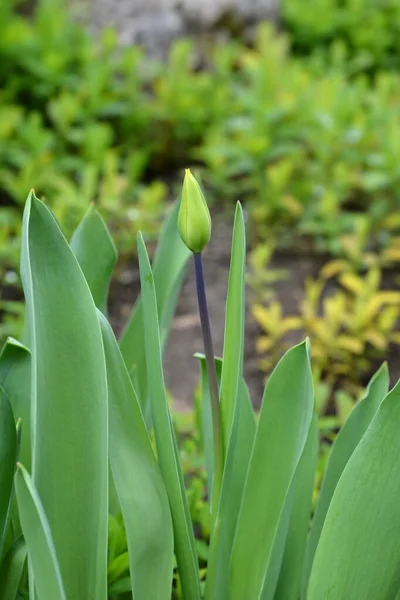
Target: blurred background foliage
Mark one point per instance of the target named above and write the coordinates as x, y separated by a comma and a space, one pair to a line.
302, 125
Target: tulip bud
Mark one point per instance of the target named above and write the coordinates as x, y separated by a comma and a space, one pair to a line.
194, 221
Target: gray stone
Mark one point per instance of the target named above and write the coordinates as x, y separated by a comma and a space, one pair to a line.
154, 24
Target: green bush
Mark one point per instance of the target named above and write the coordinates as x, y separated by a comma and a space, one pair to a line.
73, 118
313, 156
84, 120
364, 32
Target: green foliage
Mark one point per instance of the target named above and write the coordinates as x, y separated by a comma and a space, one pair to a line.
362, 33
85, 413
351, 323
312, 152
315, 156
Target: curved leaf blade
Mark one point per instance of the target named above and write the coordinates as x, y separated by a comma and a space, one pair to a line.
96, 253
237, 418
280, 438
140, 487
363, 519
168, 457
247, 419
232, 366
343, 447
8, 453
36, 529
11, 569
290, 576
68, 403
15, 378
168, 269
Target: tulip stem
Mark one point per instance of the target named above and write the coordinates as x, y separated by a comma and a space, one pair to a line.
212, 382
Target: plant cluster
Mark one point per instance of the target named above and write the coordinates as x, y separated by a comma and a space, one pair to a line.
313, 154
92, 488
362, 34
316, 157
84, 120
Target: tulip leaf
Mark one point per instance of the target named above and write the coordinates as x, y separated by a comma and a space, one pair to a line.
138, 480
95, 250
232, 366
37, 533
237, 418
290, 577
358, 554
8, 453
168, 270
343, 447
280, 438
15, 378
68, 403
206, 416
11, 569
247, 421
168, 456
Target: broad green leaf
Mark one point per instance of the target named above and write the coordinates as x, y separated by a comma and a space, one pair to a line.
138, 480
358, 554
290, 576
94, 248
37, 534
68, 403
11, 569
342, 449
280, 438
15, 378
168, 269
8, 452
168, 456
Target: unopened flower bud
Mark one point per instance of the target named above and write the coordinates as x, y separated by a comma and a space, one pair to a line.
194, 221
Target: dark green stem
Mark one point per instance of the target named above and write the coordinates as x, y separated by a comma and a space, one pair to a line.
212, 381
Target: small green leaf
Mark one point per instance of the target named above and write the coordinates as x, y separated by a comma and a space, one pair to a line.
138, 480
247, 420
95, 251
342, 449
122, 586
8, 452
206, 416
168, 456
11, 569
280, 438
36, 530
358, 554
15, 378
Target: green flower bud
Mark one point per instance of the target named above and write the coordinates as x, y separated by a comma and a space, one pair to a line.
194, 221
